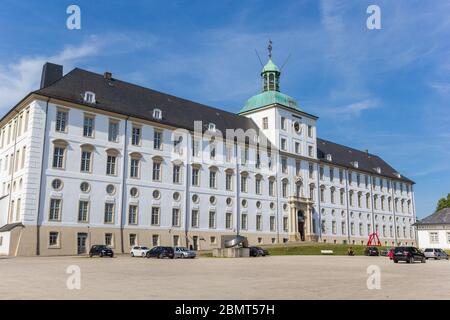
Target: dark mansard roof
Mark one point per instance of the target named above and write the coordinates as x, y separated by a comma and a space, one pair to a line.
132, 100
439, 217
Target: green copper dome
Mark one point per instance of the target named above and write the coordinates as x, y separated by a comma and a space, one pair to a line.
270, 67
267, 98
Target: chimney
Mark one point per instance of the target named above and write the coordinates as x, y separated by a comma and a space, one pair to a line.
107, 75
366, 151
50, 74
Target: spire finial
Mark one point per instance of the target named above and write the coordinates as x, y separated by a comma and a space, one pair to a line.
269, 47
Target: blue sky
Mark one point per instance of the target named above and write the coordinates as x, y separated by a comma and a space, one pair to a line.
384, 90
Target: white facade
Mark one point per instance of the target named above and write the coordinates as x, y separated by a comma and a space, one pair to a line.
434, 237
44, 164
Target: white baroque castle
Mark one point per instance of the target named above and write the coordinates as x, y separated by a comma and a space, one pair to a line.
89, 159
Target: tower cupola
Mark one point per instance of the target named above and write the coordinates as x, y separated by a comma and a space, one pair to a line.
270, 73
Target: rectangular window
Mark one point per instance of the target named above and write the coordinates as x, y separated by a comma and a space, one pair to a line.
27, 117
113, 131
83, 211
134, 168
133, 239
272, 223
109, 240
176, 174
195, 216
86, 161
212, 219
176, 240
155, 216
111, 165
61, 121
109, 212
283, 144
285, 224
132, 214
271, 188
259, 222
448, 236
228, 220
333, 227
195, 147
297, 147
244, 224
321, 172
156, 174
434, 237
283, 123
212, 179
88, 126
229, 182
55, 210
298, 167
53, 239
310, 151
196, 177
284, 167
265, 122
258, 186
22, 164
331, 174
58, 157
310, 131
175, 217
177, 146
136, 136
157, 140
311, 170
155, 240
229, 153
244, 183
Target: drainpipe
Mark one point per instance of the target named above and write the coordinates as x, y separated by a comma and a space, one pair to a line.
12, 169
347, 204
393, 211
124, 177
41, 183
238, 189
189, 149
414, 216
372, 200
318, 201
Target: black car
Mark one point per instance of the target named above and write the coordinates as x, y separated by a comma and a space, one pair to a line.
408, 254
371, 251
101, 250
258, 251
161, 252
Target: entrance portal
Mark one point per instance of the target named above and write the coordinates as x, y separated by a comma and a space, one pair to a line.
301, 224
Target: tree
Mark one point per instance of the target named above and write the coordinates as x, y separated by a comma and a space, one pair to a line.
443, 203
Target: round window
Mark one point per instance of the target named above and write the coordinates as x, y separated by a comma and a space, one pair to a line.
272, 205
285, 207
110, 189
156, 194
212, 200
176, 196
134, 192
229, 201
57, 184
195, 198
297, 127
84, 186
258, 204
244, 203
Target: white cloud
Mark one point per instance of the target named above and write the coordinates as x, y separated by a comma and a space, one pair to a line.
350, 111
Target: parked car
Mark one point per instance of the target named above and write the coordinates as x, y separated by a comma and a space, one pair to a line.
139, 251
161, 252
384, 253
258, 251
371, 251
435, 253
183, 253
408, 254
101, 250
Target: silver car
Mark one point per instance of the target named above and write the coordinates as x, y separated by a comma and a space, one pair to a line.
184, 253
435, 253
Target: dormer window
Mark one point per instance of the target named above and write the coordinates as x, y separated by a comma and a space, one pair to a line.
89, 97
378, 169
329, 157
211, 127
355, 164
157, 114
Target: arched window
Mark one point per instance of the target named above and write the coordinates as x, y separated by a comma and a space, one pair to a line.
322, 193
284, 188
213, 172
59, 153
157, 168
244, 181
111, 161
87, 151
258, 184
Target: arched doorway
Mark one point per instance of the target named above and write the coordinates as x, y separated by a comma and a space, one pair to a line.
301, 224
